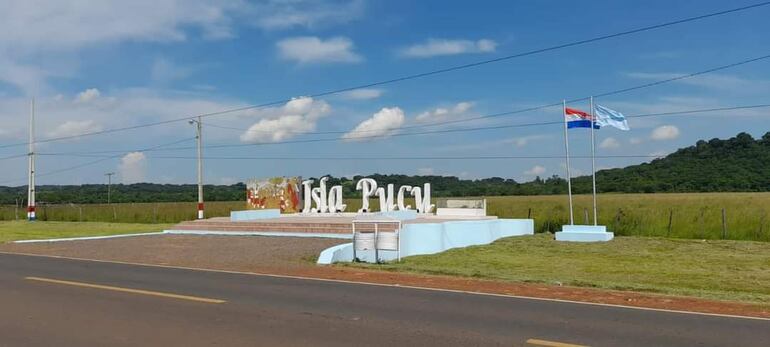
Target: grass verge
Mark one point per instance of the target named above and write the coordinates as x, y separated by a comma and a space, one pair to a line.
22, 230
723, 269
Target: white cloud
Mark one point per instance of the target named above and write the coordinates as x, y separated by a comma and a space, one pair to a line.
712, 81
132, 167
426, 171
635, 141
381, 123
311, 49
274, 15
122, 108
443, 114
536, 170
297, 116
66, 25
73, 128
87, 95
436, 47
665, 132
609, 143
523, 140
362, 94
165, 71
31, 30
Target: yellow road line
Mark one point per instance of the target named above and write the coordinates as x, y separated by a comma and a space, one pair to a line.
546, 343
400, 286
128, 290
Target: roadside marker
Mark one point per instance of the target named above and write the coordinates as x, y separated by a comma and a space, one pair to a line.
127, 290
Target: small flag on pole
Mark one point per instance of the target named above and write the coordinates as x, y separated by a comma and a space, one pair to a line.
578, 119
608, 117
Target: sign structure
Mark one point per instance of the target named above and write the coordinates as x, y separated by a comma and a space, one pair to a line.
322, 200
274, 193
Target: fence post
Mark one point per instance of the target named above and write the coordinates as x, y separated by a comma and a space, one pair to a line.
585, 215
761, 225
724, 223
670, 219
700, 224
114, 214
529, 213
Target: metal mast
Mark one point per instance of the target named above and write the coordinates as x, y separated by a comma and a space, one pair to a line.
31, 183
566, 150
593, 159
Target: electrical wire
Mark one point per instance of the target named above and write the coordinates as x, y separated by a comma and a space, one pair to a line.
105, 158
459, 130
14, 156
425, 74
520, 111
659, 114
391, 158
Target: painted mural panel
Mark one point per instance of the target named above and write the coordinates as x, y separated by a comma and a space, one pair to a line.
278, 192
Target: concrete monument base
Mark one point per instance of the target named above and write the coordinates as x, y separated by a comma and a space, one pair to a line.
584, 233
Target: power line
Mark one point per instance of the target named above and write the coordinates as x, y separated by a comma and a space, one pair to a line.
424, 74
497, 127
520, 111
156, 148
398, 158
460, 130
14, 156
98, 161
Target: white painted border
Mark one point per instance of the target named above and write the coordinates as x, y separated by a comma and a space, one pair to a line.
719, 315
258, 233
64, 239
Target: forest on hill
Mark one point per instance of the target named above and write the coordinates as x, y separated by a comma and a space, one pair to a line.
738, 164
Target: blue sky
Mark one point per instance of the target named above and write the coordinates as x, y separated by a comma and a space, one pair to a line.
115, 64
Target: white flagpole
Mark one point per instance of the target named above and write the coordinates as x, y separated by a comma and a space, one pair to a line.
593, 158
566, 150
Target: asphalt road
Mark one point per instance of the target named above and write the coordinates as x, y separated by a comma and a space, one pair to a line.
60, 302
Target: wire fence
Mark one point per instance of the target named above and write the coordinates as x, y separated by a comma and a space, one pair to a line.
735, 216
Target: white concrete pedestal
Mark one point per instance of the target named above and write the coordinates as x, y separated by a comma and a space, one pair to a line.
584, 233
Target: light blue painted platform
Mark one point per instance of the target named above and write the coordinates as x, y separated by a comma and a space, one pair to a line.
584, 233
238, 216
400, 215
430, 238
258, 233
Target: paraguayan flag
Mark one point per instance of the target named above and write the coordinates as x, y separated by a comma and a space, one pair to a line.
606, 116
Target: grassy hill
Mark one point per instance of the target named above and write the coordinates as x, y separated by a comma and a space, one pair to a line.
738, 164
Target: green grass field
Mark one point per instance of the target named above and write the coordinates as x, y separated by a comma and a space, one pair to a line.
12, 230
715, 269
696, 215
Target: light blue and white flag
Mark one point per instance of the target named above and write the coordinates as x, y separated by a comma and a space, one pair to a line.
606, 116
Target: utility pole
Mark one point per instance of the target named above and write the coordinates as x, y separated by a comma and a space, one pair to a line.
31, 183
199, 138
109, 185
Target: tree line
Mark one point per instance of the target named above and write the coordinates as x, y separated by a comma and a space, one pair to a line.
738, 164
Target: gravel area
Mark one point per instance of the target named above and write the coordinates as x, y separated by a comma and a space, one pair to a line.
247, 253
